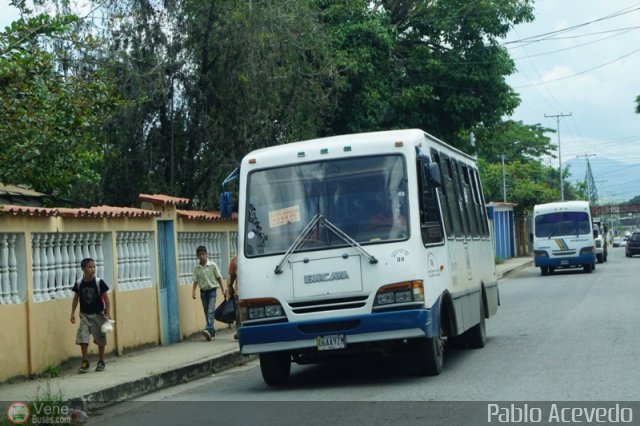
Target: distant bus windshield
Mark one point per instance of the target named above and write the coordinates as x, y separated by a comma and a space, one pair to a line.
562, 224
366, 197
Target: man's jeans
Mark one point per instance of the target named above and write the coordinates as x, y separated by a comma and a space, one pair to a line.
208, 299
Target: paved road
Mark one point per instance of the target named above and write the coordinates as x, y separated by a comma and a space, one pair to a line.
570, 336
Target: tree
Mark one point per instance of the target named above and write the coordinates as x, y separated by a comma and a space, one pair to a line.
432, 65
528, 183
515, 140
52, 108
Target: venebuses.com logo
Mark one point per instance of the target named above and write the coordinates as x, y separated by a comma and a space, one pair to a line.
18, 413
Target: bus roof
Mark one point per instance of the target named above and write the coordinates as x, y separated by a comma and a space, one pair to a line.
561, 206
357, 144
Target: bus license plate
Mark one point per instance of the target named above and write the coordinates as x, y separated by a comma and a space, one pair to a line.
332, 342
564, 262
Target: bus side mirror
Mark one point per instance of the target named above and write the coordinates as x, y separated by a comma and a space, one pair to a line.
595, 233
434, 174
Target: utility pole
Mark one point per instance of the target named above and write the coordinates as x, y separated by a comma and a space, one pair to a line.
504, 183
558, 117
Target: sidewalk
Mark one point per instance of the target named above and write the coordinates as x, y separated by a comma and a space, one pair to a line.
148, 370
133, 374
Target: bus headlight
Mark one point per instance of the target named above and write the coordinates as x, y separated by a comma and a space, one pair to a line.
587, 250
385, 298
260, 309
402, 292
403, 296
540, 253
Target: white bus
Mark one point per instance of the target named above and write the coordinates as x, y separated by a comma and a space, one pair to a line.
563, 236
364, 244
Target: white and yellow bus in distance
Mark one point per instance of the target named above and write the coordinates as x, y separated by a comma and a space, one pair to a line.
363, 244
563, 236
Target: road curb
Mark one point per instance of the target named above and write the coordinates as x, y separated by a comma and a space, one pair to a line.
516, 269
153, 383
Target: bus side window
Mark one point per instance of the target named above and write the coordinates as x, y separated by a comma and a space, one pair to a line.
462, 214
482, 212
469, 201
430, 218
443, 200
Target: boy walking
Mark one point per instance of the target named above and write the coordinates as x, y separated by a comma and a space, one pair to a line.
206, 275
94, 311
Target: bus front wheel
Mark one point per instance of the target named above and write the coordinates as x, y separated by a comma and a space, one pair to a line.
275, 367
589, 267
429, 355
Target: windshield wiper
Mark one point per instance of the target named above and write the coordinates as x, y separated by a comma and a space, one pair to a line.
319, 219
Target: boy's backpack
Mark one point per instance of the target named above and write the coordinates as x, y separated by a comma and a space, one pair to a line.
97, 286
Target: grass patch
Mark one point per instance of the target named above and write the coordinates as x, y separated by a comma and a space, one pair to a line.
51, 371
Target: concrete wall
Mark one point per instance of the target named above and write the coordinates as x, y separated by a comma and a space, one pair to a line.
36, 331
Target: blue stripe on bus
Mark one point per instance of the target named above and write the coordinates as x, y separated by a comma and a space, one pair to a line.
369, 323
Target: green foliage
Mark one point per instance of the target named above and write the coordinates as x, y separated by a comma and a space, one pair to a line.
515, 140
52, 110
167, 97
432, 65
51, 371
528, 184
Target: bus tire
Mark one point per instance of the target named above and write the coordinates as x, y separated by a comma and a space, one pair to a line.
599, 258
544, 270
275, 368
588, 268
477, 335
429, 355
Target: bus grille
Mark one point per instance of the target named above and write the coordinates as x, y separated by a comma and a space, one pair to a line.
328, 305
329, 327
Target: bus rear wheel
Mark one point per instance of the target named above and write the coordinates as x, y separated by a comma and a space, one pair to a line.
275, 367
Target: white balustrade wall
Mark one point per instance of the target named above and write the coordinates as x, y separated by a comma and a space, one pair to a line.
56, 259
13, 286
188, 242
135, 260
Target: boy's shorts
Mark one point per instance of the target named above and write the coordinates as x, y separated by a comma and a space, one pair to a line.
90, 324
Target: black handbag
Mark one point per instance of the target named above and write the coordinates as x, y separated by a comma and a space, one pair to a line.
226, 311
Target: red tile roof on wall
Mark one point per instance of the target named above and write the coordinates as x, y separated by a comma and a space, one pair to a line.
27, 211
204, 216
108, 212
93, 212
163, 199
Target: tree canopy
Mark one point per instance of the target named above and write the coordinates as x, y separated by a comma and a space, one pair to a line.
52, 107
152, 96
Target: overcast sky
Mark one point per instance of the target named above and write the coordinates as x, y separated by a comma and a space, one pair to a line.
589, 71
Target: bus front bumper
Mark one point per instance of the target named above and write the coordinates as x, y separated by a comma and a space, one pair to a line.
376, 327
561, 262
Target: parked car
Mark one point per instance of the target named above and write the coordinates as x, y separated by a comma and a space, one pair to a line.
633, 244
617, 242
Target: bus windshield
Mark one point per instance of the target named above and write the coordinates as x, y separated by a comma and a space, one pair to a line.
561, 224
365, 197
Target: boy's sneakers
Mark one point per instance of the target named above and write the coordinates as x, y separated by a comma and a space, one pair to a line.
100, 366
84, 367
206, 335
